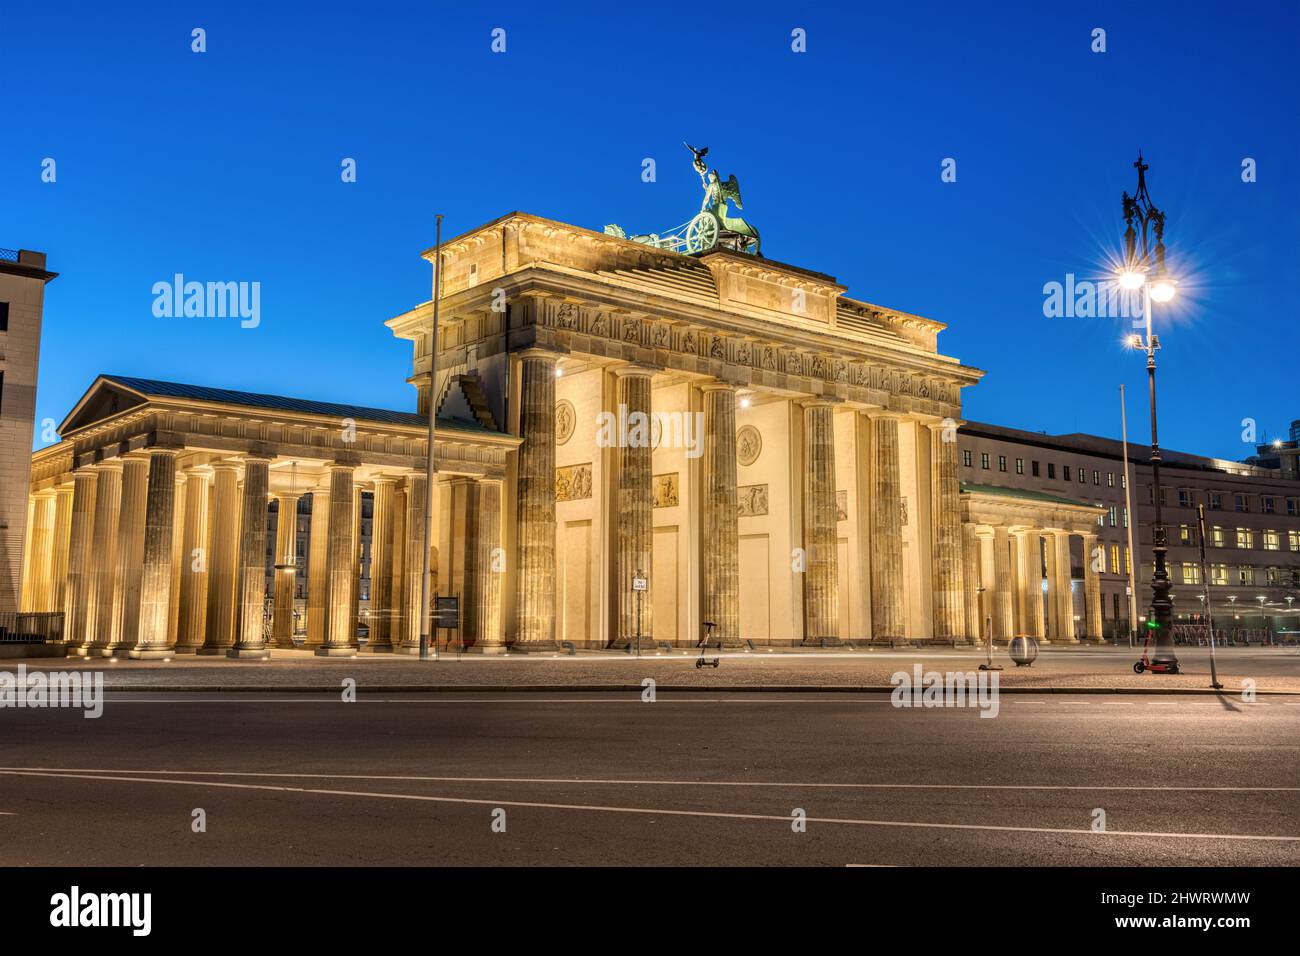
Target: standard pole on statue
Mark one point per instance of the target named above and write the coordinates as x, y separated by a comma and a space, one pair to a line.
431, 462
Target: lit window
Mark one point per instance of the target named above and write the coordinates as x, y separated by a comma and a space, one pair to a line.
1112, 516
1245, 575
1245, 538
1114, 559
1110, 479
984, 460
1191, 573
1096, 477
1272, 541
1218, 574
1293, 540
1185, 534
1217, 538
1020, 466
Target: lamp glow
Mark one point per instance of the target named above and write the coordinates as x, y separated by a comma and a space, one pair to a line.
1163, 289
1131, 279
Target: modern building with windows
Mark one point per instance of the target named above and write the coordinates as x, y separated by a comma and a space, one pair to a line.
1252, 523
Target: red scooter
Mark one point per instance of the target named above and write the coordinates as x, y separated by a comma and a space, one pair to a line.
1157, 666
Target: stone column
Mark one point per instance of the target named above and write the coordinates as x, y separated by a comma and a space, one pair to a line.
1092, 589
971, 582
222, 555
413, 563
99, 605
77, 592
720, 519
251, 576
1059, 588
397, 585
194, 564
481, 604
949, 606
318, 577
286, 552
1031, 582
340, 638
59, 549
820, 541
535, 511
381, 567
178, 548
1002, 623
159, 548
40, 534
635, 505
988, 586
887, 625
129, 554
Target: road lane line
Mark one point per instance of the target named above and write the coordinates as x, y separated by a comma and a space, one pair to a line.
616, 782
652, 811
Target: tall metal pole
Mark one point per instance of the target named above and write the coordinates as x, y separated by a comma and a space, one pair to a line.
1128, 521
1162, 605
431, 463
1209, 607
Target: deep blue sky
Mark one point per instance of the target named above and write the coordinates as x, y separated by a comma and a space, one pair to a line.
225, 166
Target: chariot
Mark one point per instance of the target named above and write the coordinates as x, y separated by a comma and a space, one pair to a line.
712, 227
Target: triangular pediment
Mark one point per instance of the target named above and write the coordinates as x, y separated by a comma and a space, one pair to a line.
104, 399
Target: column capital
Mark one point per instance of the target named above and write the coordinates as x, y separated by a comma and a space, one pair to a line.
633, 370
717, 385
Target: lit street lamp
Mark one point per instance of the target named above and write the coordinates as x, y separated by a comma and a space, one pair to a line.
1145, 269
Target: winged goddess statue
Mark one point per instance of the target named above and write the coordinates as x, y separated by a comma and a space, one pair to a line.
716, 192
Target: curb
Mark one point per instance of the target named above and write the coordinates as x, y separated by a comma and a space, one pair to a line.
637, 689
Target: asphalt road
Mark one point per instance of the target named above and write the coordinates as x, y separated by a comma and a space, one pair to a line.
589, 778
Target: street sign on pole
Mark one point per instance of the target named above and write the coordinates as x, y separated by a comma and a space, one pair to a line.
446, 613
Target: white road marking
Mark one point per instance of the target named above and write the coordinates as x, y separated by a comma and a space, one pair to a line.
634, 782
651, 811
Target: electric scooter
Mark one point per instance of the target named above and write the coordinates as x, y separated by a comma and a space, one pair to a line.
702, 661
1156, 666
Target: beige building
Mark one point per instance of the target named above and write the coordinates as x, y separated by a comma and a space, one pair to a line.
753, 446
24, 522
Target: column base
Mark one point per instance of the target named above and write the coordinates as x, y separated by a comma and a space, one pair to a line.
409, 650
821, 642
250, 653
150, 653
76, 652
284, 646
534, 647
187, 649
121, 653
385, 648
330, 650
212, 651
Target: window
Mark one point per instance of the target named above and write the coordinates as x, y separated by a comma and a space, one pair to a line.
1239, 503
1020, 466
1123, 517
1123, 481
1002, 462
1112, 515
1218, 574
1272, 541
1293, 540
1185, 537
1216, 501
1293, 506
1051, 470
1217, 538
1114, 559
4, 316
1245, 538
1096, 477
1191, 573
966, 457
1274, 575
984, 460
1065, 472
1083, 476
1128, 562
1245, 575
1034, 466
1110, 479
1266, 505
1184, 498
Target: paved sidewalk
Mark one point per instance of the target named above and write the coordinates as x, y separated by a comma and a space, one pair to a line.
1089, 669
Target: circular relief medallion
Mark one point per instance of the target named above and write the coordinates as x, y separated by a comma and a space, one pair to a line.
566, 419
749, 445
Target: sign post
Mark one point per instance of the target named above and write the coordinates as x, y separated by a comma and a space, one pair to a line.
639, 586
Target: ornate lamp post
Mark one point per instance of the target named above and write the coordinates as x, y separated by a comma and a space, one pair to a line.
1144, 268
